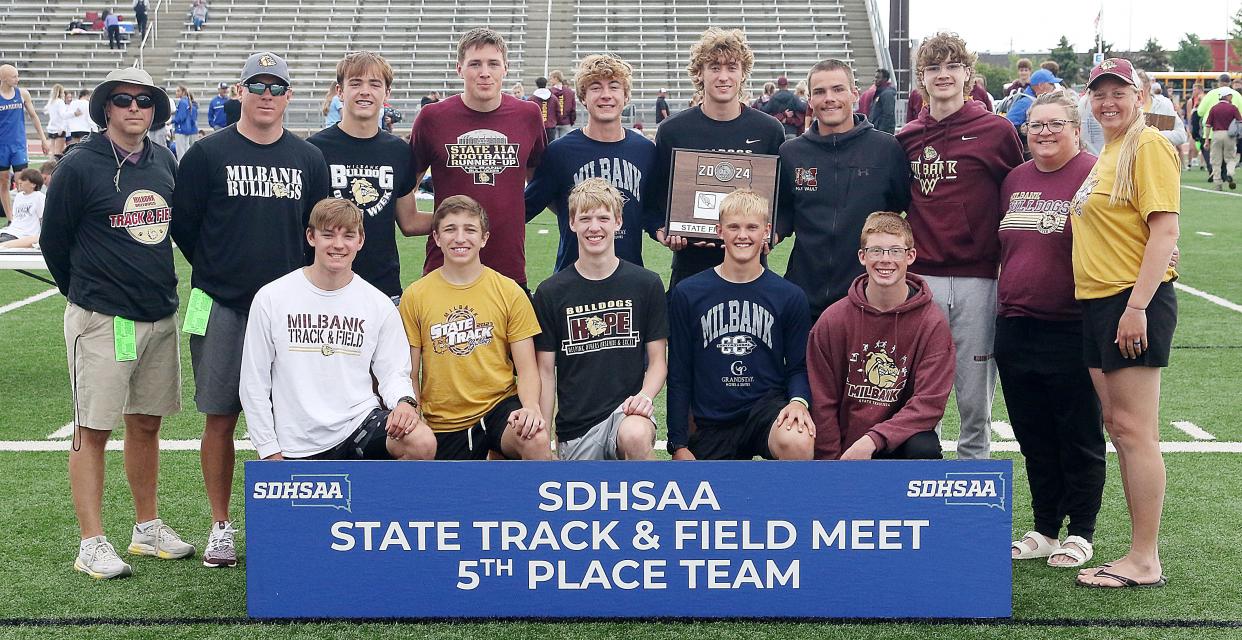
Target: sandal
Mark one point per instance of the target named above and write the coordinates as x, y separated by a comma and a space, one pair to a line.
1122, 581
1075, 548
1042, 549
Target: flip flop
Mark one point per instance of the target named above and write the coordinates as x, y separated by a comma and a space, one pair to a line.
1042, 549
1122, 582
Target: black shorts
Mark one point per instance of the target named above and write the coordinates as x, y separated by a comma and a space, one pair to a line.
368, 442
1099, 330
741, 439
474, 442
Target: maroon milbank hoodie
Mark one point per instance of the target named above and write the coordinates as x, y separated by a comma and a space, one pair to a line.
884, 374
957, 165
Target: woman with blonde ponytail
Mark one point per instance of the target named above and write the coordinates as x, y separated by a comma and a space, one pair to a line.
55, 112
1125, 231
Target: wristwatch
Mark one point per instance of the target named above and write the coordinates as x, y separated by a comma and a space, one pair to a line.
408, 400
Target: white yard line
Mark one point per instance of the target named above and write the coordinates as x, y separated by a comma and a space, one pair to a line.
1223, 193
63, 432
1192, 430
1165, 447
1002, 429
31, 300
1206, 234
1209, 297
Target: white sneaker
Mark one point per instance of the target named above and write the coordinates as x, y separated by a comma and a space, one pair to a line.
97, 559
220, 550
160, 541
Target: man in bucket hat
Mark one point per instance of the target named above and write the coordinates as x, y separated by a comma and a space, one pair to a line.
243, 199
105, 240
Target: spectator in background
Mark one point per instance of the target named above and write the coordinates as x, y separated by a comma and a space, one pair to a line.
519, 91
1158, 105
79, 118
27, 213
430, 98
331, 107
548, 107
232, 107
1224, 148
140, 14
55, 112
769, 88
112, 24
662, 112
785, 107
1024, 77
1191, 117
567, 112
185, 121
216, 118
198, 14
46, 170
1041, 82
883, 110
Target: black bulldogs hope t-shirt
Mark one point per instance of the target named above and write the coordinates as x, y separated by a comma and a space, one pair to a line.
599, 330
372, 173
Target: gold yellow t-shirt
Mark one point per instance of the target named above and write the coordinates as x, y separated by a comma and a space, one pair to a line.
464, 332
1109, 241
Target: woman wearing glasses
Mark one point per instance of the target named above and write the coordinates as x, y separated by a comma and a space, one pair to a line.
1125, 230
1052, 405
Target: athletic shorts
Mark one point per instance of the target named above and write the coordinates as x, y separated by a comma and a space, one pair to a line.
598, 443
368, 442
474, 442
216, 358
1101, 316
78, 135
13, 156
104, 389
742, 439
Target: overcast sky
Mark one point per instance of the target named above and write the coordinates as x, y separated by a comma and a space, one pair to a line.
996, 25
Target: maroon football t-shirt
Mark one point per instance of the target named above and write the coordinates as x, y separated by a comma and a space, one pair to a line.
483, 155
1037, 272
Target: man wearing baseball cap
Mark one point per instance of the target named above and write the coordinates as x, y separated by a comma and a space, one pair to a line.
786, 107
105, 240
240, 209
215, 111
1042, 81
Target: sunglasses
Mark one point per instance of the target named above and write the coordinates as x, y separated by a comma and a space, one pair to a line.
257, 88
123, 100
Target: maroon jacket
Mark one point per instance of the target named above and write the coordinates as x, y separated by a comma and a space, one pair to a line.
548, 108
957, 166
565, 105
883, 374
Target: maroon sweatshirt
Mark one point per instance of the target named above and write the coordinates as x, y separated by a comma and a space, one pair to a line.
957, 166
884, 374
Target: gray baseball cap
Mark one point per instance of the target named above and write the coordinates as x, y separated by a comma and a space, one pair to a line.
265, 63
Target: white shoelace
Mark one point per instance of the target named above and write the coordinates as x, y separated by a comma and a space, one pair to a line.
103, 551
165, 533
221, 538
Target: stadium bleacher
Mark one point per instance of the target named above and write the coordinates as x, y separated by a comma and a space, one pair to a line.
419, 38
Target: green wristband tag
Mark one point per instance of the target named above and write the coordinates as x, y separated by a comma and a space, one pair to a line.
197, 313
124, 340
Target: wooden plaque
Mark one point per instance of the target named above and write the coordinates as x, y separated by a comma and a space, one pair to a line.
699, 180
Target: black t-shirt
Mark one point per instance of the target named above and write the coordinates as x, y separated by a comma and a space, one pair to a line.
661, 109
232, 111
372, 173
751, 132
599, 330
240, 210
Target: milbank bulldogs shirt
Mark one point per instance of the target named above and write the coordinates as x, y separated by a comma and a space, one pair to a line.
626, 164
240, 211
372, 173
483, 155
599, 330
308, 359
732, 344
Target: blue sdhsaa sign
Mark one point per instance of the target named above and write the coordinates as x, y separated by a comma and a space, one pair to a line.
611, 539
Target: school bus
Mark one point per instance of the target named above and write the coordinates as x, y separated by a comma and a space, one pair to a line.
1181, 82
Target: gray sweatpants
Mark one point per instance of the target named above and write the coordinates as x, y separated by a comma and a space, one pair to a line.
970, 306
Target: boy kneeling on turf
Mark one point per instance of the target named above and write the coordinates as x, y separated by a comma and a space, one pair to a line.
881, 360
313, 340
605, 328
469, 328
737, 355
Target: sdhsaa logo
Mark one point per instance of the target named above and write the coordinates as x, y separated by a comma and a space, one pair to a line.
986, 489
308, 490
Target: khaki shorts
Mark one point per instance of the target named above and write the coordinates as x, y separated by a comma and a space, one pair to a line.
599, 442
104, 389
